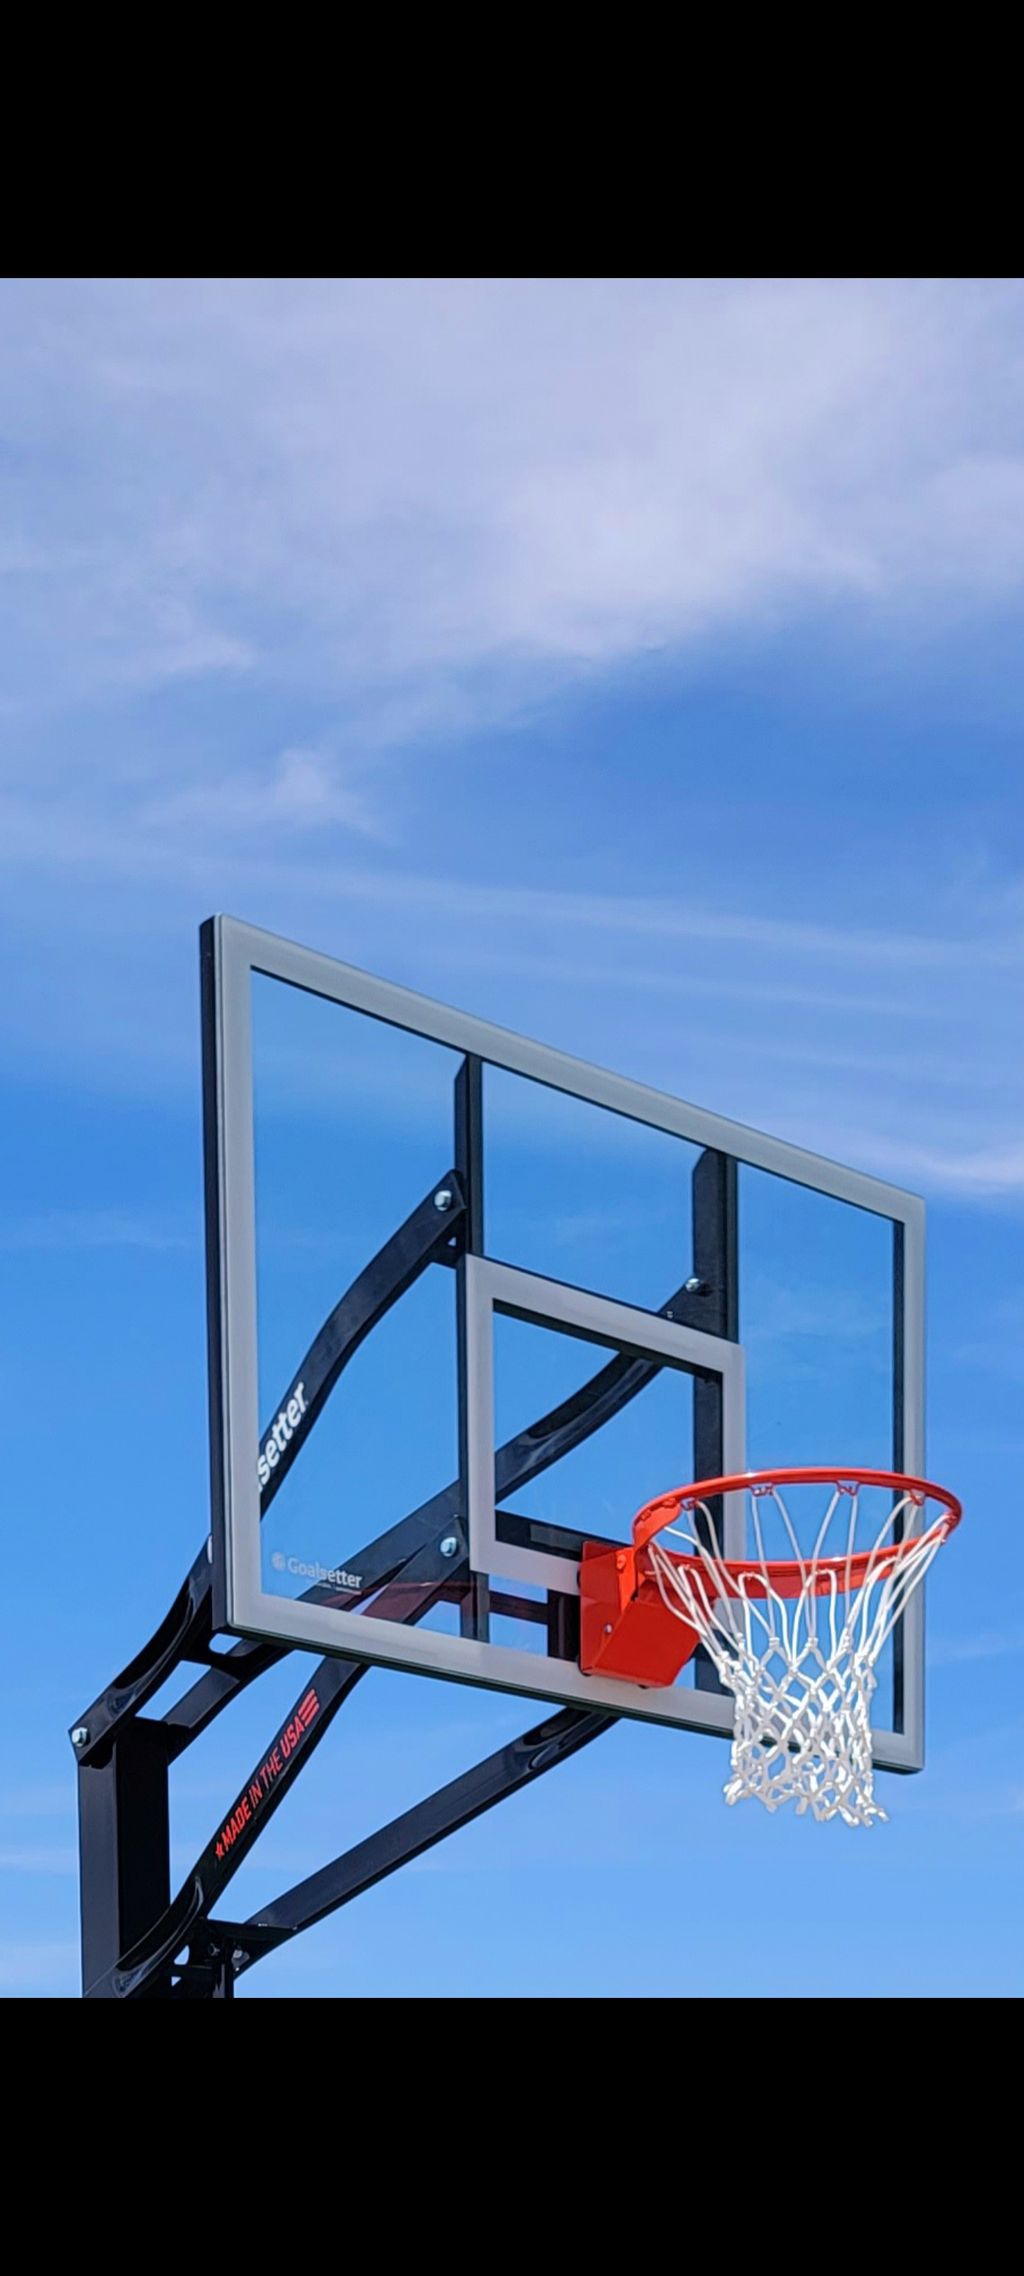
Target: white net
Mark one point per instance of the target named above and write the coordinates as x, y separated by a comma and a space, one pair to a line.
797, 1641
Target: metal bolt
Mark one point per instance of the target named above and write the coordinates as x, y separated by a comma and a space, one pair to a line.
449, 1545
443, 1200
695, 1287
607, 1627
80, 1735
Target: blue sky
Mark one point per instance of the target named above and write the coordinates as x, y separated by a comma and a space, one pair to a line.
640, 666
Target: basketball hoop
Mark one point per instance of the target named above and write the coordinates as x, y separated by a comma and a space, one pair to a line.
796, 1639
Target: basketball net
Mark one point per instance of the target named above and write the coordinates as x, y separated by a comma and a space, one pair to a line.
798, 1642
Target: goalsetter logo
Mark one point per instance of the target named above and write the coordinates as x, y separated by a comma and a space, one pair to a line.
284, 1429
270, 1454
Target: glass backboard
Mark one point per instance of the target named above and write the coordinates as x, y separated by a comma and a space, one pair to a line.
473, 1302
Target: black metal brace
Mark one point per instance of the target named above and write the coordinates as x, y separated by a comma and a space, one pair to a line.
241, 1944
137, 1943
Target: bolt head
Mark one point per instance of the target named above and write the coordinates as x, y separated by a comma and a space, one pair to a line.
80, 1735
694, 1286
449, 1545
443, 1199
607, 1627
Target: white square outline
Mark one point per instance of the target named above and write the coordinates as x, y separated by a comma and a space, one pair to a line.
623, 1327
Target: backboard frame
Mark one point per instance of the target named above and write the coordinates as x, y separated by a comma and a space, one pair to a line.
233, 951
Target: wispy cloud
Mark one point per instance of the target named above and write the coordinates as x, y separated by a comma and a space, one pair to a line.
62, 1230
991, 1802
389, 509
976, 1644
134, 841
871, 1046
434, 474
981, 1171
37, 1859
304, 791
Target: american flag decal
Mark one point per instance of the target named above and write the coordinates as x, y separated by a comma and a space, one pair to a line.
265, 1778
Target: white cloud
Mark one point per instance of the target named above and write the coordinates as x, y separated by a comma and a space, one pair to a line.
304, 791
878, 1047
976, 1644
410, 481
400, 506
63, 1230
40, 1860
980, 1171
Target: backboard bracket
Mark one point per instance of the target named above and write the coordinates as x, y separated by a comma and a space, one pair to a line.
178, 1950
136, 1942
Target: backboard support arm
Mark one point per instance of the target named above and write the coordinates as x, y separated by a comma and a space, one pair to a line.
136, 1941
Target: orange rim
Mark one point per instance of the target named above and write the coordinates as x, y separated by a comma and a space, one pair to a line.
788, 1575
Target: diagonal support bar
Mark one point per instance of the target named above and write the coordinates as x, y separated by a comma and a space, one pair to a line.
404, 1564
425, 1238
506, 1772
298, 1736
